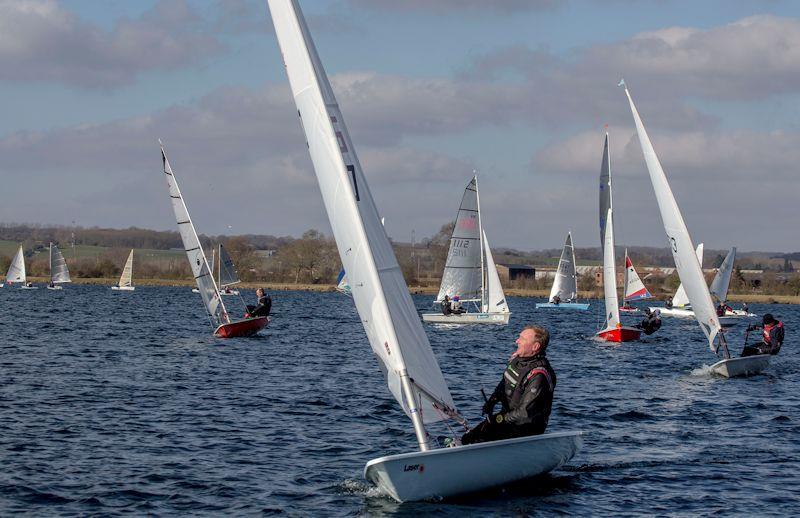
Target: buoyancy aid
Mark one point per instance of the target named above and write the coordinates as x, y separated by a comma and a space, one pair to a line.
518, 377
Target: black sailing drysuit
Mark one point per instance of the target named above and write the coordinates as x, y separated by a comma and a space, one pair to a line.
526, 396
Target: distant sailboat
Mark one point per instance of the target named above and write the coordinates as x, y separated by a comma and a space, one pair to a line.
224, 327
16, 271
126, 279
342, 284
470, 273
564, 293
59, 273
633, 285
614, 331
227, 275
384, 304
688, 266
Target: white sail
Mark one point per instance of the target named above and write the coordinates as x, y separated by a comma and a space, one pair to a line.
634, 287
689, 270
605, 190
228, 276
58, 266
16, 271
722, 281
565, 284
496, 299
126, 279
379, 291
194, 251
610, 274
681, 300
463, 273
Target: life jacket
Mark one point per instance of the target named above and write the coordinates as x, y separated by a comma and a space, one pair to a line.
773, 336
518, 375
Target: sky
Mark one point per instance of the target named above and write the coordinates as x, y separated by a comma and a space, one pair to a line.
431, 90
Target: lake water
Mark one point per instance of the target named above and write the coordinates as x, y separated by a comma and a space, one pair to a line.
123, 403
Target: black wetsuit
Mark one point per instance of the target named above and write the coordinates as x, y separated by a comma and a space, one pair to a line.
262, 309
650, 324
526, 395
447, 308
771, 340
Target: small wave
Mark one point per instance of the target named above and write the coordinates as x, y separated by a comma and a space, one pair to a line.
631, 415
359, 487
703, 371
781, 418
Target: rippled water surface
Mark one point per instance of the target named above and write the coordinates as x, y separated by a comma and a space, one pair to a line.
114, 402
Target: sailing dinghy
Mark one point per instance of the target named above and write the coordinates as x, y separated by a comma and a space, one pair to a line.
564, 293
16, 271
634, 287
227, 275
721, 283
342, 284
470, 272
126, 279
688, 266
59, 273
614, 331
224, 327
384, 304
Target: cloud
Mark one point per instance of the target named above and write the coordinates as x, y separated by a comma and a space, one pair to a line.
459, 6
42, 41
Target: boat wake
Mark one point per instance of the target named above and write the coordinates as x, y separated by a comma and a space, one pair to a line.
359, 487
703, 372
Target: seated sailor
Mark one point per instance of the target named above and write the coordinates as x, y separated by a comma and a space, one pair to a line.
651, 322
771, 337
447, 307
457, 307
555, 300
264, 305
525, 393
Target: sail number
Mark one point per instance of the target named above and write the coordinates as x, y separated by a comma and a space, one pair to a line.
459, 248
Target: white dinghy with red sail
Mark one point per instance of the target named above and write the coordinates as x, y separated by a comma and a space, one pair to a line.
635, 289
224, 326
381, 296
688, 267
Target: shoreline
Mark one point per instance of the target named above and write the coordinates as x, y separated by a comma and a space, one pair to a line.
758, 298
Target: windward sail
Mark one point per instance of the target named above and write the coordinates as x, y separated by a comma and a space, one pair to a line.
16, 271
228, 276
496, 299
126, 279
58, 266
678, 238
722, 281
194, 251
380, 293
463, 272
565, 284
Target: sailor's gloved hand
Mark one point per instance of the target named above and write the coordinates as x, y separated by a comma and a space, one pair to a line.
488, 407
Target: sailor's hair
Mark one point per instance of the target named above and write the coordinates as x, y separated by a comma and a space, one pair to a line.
542, 335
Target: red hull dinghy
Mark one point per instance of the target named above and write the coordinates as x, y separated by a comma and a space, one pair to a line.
246, 327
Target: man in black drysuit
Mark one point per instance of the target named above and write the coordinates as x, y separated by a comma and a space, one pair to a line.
264, 305
771, 337
651, 322
525, 393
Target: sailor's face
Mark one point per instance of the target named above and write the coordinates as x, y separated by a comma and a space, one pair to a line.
526, 340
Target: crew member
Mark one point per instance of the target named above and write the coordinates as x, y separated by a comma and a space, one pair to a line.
264, 305
447, 307
651, 322
525, 393
668, 304
556, 300
456, 306
771, 337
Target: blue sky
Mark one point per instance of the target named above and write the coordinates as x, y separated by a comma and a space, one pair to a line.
431, 89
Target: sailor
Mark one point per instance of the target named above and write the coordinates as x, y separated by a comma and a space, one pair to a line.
29, 284
651, 322
771, 337
447, 307
525, 393
264, 305
745, 308
456, 306
556, 300
668, 304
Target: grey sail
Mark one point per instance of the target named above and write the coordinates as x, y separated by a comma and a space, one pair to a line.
565, 284
58, 266
463, 272
228, 275
721, 282
194, 251
605, 191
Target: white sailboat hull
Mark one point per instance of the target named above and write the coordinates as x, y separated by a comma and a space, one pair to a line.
745, 366
29, 287
123, 288
467, 318
229, 293
447, 472
55, 288
728, 320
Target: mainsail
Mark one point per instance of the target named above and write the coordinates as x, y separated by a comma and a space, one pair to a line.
565, 284
605, 190
495, 299
607, 241
634, 287
58, 266
721, 282
194, 251
228, 276
680, 242
463, 271
126, 279
16, 271
681, 300
380, 293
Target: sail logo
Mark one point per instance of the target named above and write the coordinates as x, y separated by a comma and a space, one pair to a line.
467, 224
419, 468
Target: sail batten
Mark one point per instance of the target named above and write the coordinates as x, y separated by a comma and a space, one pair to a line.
678, 237
194, 251
379, 291
565, 283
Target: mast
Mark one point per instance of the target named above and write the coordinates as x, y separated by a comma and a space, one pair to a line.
51, 262
625, 279
484, 303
